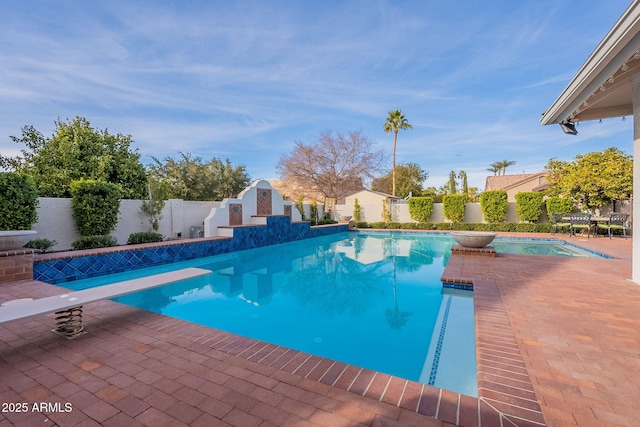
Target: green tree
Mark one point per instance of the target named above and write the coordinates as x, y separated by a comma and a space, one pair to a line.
409, 180
504, 164
95, 206
452, 184
592, 179
191, 178
462, 176
495, 168
78, 151
395, 122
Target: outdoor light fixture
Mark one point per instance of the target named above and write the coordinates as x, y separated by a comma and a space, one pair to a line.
568, 127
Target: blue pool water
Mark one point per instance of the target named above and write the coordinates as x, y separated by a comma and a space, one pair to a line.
374, 301
370, 299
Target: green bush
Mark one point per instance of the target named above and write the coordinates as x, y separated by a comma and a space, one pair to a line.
559, 205
494, 205
144, 237
94, 242
463, 226
529, 206
361, 224
95, 206
420, 208
18, 201
454, 206
357, 210
43, 244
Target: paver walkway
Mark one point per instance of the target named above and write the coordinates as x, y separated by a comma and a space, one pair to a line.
575, 322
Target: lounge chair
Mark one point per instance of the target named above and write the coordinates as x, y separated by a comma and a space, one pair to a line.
579, 221
616, 222
558, 222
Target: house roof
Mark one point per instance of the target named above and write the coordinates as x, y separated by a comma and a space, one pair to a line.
379, 193
603, 87
505, 182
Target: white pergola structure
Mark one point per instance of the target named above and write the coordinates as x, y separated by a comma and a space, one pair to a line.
608, 85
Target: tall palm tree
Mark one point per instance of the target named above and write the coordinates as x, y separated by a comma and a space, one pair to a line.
495, 168
504, 164
395, 122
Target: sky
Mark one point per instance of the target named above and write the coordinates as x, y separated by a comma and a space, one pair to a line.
245, 80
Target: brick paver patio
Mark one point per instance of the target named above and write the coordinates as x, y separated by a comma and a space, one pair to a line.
557, 338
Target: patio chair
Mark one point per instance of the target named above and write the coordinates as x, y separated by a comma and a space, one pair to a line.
559, 223
579, 221
616, 221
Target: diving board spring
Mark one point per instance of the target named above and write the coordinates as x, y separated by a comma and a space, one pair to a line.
69, 322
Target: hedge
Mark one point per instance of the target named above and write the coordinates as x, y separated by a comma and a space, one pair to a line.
461, 226
420, 208
494, 205
454, 206
529, 205
18, 201
144, 237
95, 206
559, 205
94, 242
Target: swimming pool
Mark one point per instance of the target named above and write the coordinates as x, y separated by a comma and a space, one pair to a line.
373, 301
370, 299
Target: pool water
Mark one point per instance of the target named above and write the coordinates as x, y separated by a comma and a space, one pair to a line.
370, 300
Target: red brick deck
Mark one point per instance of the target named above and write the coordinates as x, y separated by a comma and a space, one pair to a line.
555, 335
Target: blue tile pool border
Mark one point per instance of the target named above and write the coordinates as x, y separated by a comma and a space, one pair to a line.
279, 229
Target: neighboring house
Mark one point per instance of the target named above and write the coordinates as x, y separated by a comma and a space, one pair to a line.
514, 184
368, 197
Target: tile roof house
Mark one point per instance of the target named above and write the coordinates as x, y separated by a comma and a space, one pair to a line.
514, 184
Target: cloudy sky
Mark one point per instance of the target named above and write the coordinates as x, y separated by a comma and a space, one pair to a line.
244, 80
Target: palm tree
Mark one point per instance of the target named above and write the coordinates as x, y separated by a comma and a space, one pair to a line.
395, 122
495, 168
504, 164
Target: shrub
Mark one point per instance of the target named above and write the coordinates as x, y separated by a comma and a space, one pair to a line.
357, 211
95, 206
362, 224
559, 205
420, 208
494, 205
43, 244
18, 201
144, 237
454, 207
529, 206
314, 212
386, 212
463, 226
300, 206
94, 242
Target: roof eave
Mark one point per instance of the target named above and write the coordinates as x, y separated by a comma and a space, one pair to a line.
620, 44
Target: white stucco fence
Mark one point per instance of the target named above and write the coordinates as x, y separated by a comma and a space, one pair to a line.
55, 220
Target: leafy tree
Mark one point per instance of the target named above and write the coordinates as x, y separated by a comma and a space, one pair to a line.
191, 178
335, 165
395, 122
592, 179
409, 179
78, 151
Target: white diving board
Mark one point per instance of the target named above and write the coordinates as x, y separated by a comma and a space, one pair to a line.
69, 305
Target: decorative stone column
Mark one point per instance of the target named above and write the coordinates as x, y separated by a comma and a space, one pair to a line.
636, 180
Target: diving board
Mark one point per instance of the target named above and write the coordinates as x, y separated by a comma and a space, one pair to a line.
69, 305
